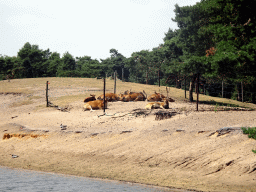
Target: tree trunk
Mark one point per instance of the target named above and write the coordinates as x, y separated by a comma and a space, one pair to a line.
185, 88
178, 84
222, 89
146, 77
196, 86
197, 91
191, 86
238, 86
122, 74
242, 91
158, 78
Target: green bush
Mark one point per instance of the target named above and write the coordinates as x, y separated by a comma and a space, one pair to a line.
250, 131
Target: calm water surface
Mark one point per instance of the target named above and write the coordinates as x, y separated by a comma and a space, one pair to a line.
25, 180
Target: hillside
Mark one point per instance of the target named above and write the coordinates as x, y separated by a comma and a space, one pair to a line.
204, 150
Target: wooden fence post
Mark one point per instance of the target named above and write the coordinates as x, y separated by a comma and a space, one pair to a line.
197, 90
122, 74
104, 88
158, 78
115, 82
47, 103
147, 77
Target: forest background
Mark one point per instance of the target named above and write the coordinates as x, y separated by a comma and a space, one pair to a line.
214, 45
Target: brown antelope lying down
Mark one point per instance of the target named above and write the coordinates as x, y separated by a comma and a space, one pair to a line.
91, 98
159, 97
132, 96
158, 105
96, 104
109, 97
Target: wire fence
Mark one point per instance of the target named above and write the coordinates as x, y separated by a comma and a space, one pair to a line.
233, 90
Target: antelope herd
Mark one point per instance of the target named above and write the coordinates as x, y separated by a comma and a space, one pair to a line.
160, 101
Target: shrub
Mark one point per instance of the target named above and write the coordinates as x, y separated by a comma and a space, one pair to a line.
250, 131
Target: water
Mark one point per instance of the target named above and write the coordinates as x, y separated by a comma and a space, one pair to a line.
25, 180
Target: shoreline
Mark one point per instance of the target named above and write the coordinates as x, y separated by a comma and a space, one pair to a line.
92, 169
100, 179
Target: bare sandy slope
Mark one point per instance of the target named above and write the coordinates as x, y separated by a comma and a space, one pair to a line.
128, 143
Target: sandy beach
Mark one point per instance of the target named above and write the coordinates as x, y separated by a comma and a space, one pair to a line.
201, 150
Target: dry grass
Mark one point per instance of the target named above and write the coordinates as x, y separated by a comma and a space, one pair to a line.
34, 97
65, 100
88, 86
27, 101
20, 103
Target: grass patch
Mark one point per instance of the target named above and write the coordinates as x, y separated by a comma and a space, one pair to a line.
39, 107
34, 97
27, 101
67, 99
183, 109
20, 103
216, 103
216, 107
251, 131
224, 102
